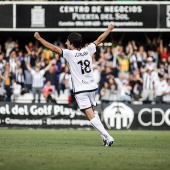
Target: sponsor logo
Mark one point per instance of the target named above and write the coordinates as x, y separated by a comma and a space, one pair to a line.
154, 121
37, 16
118, 115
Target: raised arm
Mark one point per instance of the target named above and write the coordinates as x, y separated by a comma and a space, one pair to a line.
104, 35
50, 64
28, 67
47, 44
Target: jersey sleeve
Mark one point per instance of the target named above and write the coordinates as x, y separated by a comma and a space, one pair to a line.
92, 48
66, 54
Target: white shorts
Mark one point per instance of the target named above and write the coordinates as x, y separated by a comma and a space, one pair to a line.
85, 100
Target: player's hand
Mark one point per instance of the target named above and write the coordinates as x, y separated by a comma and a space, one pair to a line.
111, 27
37, 35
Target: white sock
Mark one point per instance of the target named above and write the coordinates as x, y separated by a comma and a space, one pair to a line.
99, 126
97, 116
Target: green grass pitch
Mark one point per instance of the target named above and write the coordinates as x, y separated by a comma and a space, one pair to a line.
83, 150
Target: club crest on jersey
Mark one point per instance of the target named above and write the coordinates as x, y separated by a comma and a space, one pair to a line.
81, 54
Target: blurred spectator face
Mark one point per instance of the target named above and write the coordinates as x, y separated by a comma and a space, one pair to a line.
168, 82
30, 45
168, 60
106, 85
135, 52
132, 76
42, 55
149, 71
122, 54
154, 40
111, 64
48, 83
108, 50
111, 81
20, 53
165, 76
16, 45
1, 56
165, 50
108, 70
33, 52
141, 48
13, 54
121, 49
56, 56
161, 65
7, 67
150, 53
37, 68
149, 60
52, 68
163, 60
106, 57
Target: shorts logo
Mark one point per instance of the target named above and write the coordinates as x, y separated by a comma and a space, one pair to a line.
118, 115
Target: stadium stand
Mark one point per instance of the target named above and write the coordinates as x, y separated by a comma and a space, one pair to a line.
131, 69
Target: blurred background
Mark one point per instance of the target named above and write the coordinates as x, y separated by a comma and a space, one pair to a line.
131, 66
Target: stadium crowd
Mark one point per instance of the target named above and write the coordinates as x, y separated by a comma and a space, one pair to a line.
124, 72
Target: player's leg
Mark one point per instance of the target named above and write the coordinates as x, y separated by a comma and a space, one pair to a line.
97, 116
92, 96
85, 106
95, 121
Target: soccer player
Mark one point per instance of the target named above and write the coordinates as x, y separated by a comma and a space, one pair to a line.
84, 86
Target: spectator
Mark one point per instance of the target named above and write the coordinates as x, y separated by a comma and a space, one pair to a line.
150, 64
50, 76
2, 90
135, 62
148, 86
16, 48
13, 61
37, 76
28, 81
7, 78
9, 45
166, 93
125, 92
47, 92
2, 63
16, 90
64, 79
58, 70
160, 85
113, 90
137, 87
123, 61
48, 54
110, 62
20, 55
142, 54
105, 93
163, 51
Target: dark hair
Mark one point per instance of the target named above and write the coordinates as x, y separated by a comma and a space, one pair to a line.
75, 39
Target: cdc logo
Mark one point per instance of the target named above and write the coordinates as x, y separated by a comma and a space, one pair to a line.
118, 115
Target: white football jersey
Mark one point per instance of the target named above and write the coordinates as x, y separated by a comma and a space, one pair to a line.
81, 68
